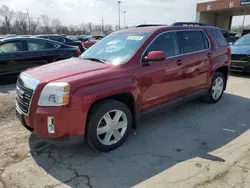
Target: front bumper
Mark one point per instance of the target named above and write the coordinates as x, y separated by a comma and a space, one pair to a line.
69, 127
240, 63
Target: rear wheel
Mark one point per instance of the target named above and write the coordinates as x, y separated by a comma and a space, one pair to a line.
109, 124
217, 88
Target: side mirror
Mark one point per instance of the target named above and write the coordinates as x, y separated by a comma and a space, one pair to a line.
155, 56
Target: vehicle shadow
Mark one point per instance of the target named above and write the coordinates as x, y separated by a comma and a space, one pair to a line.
160, 141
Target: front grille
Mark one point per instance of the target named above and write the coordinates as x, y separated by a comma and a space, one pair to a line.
240, 57
23, 96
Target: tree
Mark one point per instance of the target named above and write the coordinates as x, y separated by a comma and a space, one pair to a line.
83, 28
97, 27
46, 24
90, 27
7, 15
108, 27
116, 27
56, 25
34, 26
20, 25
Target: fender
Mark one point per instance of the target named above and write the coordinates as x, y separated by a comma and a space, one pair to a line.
84, 97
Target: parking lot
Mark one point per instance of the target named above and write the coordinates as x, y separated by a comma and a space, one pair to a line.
194, 145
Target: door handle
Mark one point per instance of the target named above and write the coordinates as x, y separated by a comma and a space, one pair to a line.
209, 55
179, 62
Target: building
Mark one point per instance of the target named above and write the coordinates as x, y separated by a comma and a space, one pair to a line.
220, 13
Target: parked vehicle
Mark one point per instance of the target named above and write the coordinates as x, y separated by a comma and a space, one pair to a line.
18, 54
129, 73
91, 41
245, 32
241, 54
83, 38
64, 40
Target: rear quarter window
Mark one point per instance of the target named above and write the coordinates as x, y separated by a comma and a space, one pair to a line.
219, 38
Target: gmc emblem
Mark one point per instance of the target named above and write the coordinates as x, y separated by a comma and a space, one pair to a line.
19, 92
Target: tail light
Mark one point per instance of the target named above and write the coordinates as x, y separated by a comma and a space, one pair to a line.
78, 52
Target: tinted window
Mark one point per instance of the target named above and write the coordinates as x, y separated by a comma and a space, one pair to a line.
192, 41
40, 45
167, 42
219, 38
11, 47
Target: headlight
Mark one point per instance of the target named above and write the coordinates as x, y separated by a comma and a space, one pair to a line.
55, 94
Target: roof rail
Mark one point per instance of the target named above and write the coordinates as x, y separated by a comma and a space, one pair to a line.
189, 24
150, 25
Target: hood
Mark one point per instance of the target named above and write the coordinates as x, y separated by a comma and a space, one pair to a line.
63, 69
244, 50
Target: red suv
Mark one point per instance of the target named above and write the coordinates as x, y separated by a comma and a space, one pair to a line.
100, 95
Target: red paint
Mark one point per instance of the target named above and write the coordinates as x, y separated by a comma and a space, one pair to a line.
150, 85
87, 44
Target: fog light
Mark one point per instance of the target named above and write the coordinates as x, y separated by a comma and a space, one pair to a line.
51, 126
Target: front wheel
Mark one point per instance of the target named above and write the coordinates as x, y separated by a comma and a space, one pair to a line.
108, 125
217, 88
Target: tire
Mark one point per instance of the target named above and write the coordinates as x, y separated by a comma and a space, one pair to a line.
210, 97
108, 123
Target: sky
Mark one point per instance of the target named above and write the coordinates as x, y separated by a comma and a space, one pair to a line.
137, 11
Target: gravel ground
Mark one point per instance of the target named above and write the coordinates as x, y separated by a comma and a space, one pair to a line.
195, 145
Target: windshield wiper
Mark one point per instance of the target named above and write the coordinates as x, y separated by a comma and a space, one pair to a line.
96, 59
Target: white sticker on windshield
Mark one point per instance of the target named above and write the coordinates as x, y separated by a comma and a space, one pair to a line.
135, 37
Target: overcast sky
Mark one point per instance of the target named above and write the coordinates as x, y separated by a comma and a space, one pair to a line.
138, 11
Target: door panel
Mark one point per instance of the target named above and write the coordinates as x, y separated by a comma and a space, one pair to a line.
197, 54
39, 53
162, 82
196, 68
11, 57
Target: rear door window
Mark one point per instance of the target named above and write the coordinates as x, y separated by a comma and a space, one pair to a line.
167, 42
193, 41
11, 47
40, 45
219, 38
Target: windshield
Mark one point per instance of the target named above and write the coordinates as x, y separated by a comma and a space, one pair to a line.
116, 48
245, 40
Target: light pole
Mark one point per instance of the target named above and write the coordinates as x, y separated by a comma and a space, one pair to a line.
124, 13
119, 14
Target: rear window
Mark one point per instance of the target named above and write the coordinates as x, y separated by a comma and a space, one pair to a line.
219, 38
193, 41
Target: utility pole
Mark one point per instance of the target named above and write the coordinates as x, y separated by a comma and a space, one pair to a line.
102, 24
28, 15
243, 23
124, 13
119, 14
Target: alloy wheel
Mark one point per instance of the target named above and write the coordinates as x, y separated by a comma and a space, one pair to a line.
112, 127
217, 88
